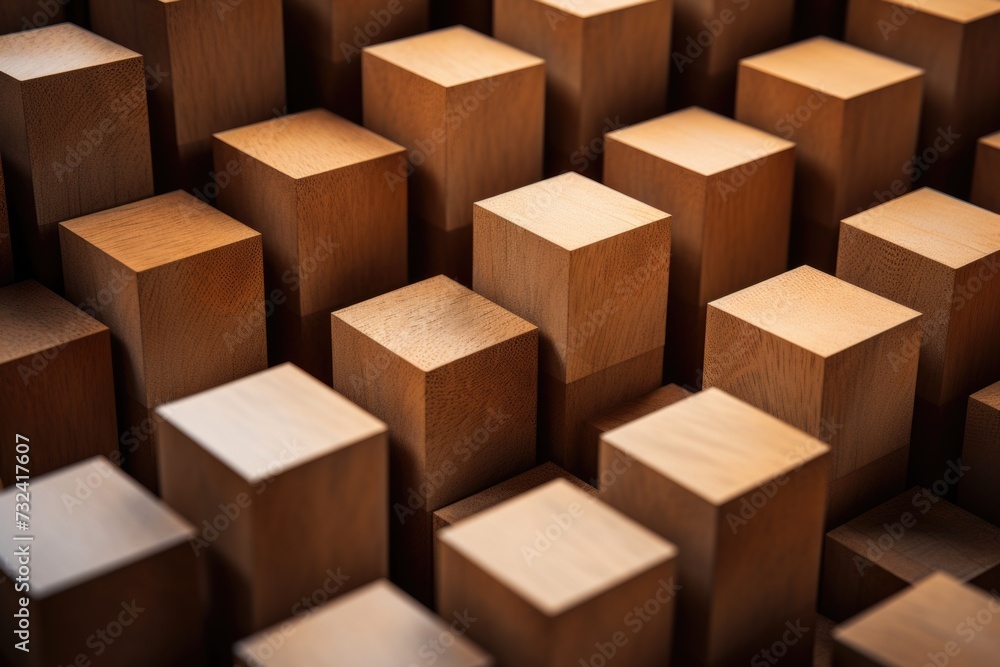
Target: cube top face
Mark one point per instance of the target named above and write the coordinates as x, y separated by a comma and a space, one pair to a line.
588, 8
95, 512
572, 211
958, 11
309, 143
153, 232
36, 319
832, 67
272, 421
375, 626
453, 56
924, 620
992, 140
434, 322
815, 311
57, 49
701, 141
596, 547
715, 445
990, 396
943, 229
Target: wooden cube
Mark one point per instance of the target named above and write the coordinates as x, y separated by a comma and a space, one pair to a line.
826, 357
211, 65
981, 453
954, 41
854, 117
901, 541
606, 65
6, 254
74, 134
731, 208
113, 579
554, 573
986, 179
238, 461
376, 626
737, 491
937, 621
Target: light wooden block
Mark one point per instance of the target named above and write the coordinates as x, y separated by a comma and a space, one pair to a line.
606, 65
74, 134
817, 353
854, 117
728, 188
6, 252
376, 626
981, 453
238, 461
55, 370
554, 572
113, 579
211, 65
986, 178
740, 493
938, 621
954, 41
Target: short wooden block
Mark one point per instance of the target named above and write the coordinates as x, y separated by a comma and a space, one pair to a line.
469, 109
843, 107
938, 621
737, 491
113, 578
55, 370
587, 89
902, 541
731, 208
954, 41
241, 460
553, 574
211, 65
74, 134
986, 179
981, 452
376, 626
819, 353
6, 253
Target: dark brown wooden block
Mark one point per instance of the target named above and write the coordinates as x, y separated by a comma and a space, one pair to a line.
977, 491
18, 15
6, 253
986, 179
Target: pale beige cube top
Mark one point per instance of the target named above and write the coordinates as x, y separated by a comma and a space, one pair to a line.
587, 8
35, 319
57, 49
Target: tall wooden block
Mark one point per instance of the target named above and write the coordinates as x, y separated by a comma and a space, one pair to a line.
554, 572
6, 252
74, 134
589, 266
938, 620
454, 377
728, 187
981, 453
986, 179
854, 118
30, 14
954, 41
887, 549
238, 461
587, 90
113, 579
377, 626
826, 357
211, 65
740, 493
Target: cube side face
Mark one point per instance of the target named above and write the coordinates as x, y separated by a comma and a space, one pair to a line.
6, 252
851, 582
971, 355
981, 453
986, 178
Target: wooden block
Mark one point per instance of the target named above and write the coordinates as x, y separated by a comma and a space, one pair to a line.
30, 14
188, 100
986, 179
455, 378
818, 353
981, 453
6, 254
937, 621
728, 188
113, 579
376, 626
74, 134
434, 251
954, 41
469, 111
587, 89
301, 340
823, 651
237, 461
854, 118
553, 573
737, 491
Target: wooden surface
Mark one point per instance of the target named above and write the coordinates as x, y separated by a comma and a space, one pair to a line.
981, 452
6, 256
986, 179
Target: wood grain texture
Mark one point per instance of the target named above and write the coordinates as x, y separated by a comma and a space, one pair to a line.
74, 134
6, 252
545, 600
981, 452
986, 178
854, 118
131, 564
821, 354
740, 493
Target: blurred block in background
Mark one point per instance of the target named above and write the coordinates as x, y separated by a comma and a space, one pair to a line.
977, 492
986, 179
6, 245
